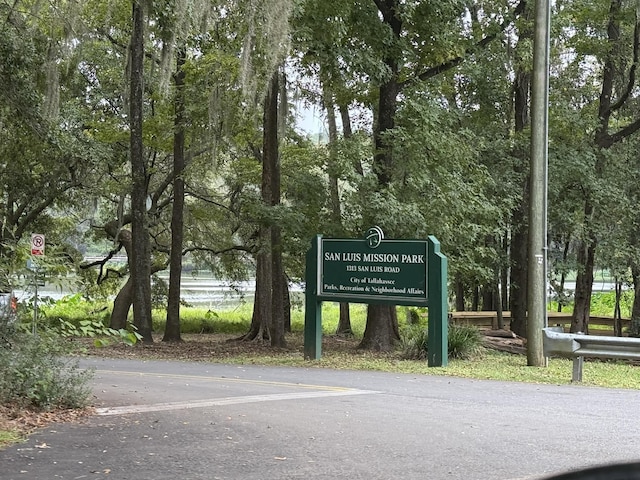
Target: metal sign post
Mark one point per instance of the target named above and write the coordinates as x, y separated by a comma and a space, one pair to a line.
37, 250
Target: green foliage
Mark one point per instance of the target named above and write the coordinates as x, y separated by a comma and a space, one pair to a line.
73, 316
464, 342
413, 343
92, 290
159, 292
237, 320
102, 334
37, 373
8, 438
73, 309
603, 304
234, 321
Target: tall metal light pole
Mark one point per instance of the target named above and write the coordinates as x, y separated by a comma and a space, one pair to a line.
537, 256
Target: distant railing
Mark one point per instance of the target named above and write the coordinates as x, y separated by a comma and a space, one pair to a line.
490, 319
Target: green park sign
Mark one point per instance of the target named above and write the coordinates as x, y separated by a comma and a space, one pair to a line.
377, 270
395, 271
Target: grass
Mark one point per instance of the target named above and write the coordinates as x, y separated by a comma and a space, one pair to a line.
9, 437
341, 353
489, 365
236, 320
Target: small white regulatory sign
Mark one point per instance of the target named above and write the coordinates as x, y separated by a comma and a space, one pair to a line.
37, 244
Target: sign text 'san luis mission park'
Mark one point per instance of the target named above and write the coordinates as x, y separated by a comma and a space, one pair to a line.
395, 270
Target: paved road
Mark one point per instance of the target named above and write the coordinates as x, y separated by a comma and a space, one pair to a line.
172, 420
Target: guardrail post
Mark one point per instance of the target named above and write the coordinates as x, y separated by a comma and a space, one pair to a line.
578, 363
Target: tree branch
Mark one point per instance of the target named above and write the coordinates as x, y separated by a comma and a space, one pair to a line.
101, 275
236, 248
124, 46
454, 62
632, 70
207, 200
623, 133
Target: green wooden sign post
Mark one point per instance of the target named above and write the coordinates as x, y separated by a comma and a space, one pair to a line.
375, 270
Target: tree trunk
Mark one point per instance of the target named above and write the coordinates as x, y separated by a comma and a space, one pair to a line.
487, 297
256, 329
141, 259
334, 192
268, 310
617, 314
286, 302
498, 304
519, 217
634, 328
460, 294
272, 160
347, 133
504, 276
563, 275
124, 298
381, 332
278, 288
122, 306
518, 291
172, 328
584, 284
261, 317
475, 299
603, 140
387, 106
344, 320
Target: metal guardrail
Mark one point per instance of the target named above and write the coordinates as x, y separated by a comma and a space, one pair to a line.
578, 346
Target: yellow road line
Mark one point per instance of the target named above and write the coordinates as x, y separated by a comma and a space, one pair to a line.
226, 379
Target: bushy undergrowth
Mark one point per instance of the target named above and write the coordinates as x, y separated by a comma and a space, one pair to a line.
37, 374
198, 320
414, 343
464, 342
237, 320
603, 304
73, 309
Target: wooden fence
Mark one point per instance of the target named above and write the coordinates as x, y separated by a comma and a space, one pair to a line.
490, 319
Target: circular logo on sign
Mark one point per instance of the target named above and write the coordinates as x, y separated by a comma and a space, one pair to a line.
374, 237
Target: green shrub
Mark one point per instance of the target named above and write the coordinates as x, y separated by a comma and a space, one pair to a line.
199, 320
101, 334
73, 309
464, 342
159, 292
38, 374
413, 343
605, 303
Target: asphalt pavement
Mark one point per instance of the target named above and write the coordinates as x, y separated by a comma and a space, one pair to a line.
175, 420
